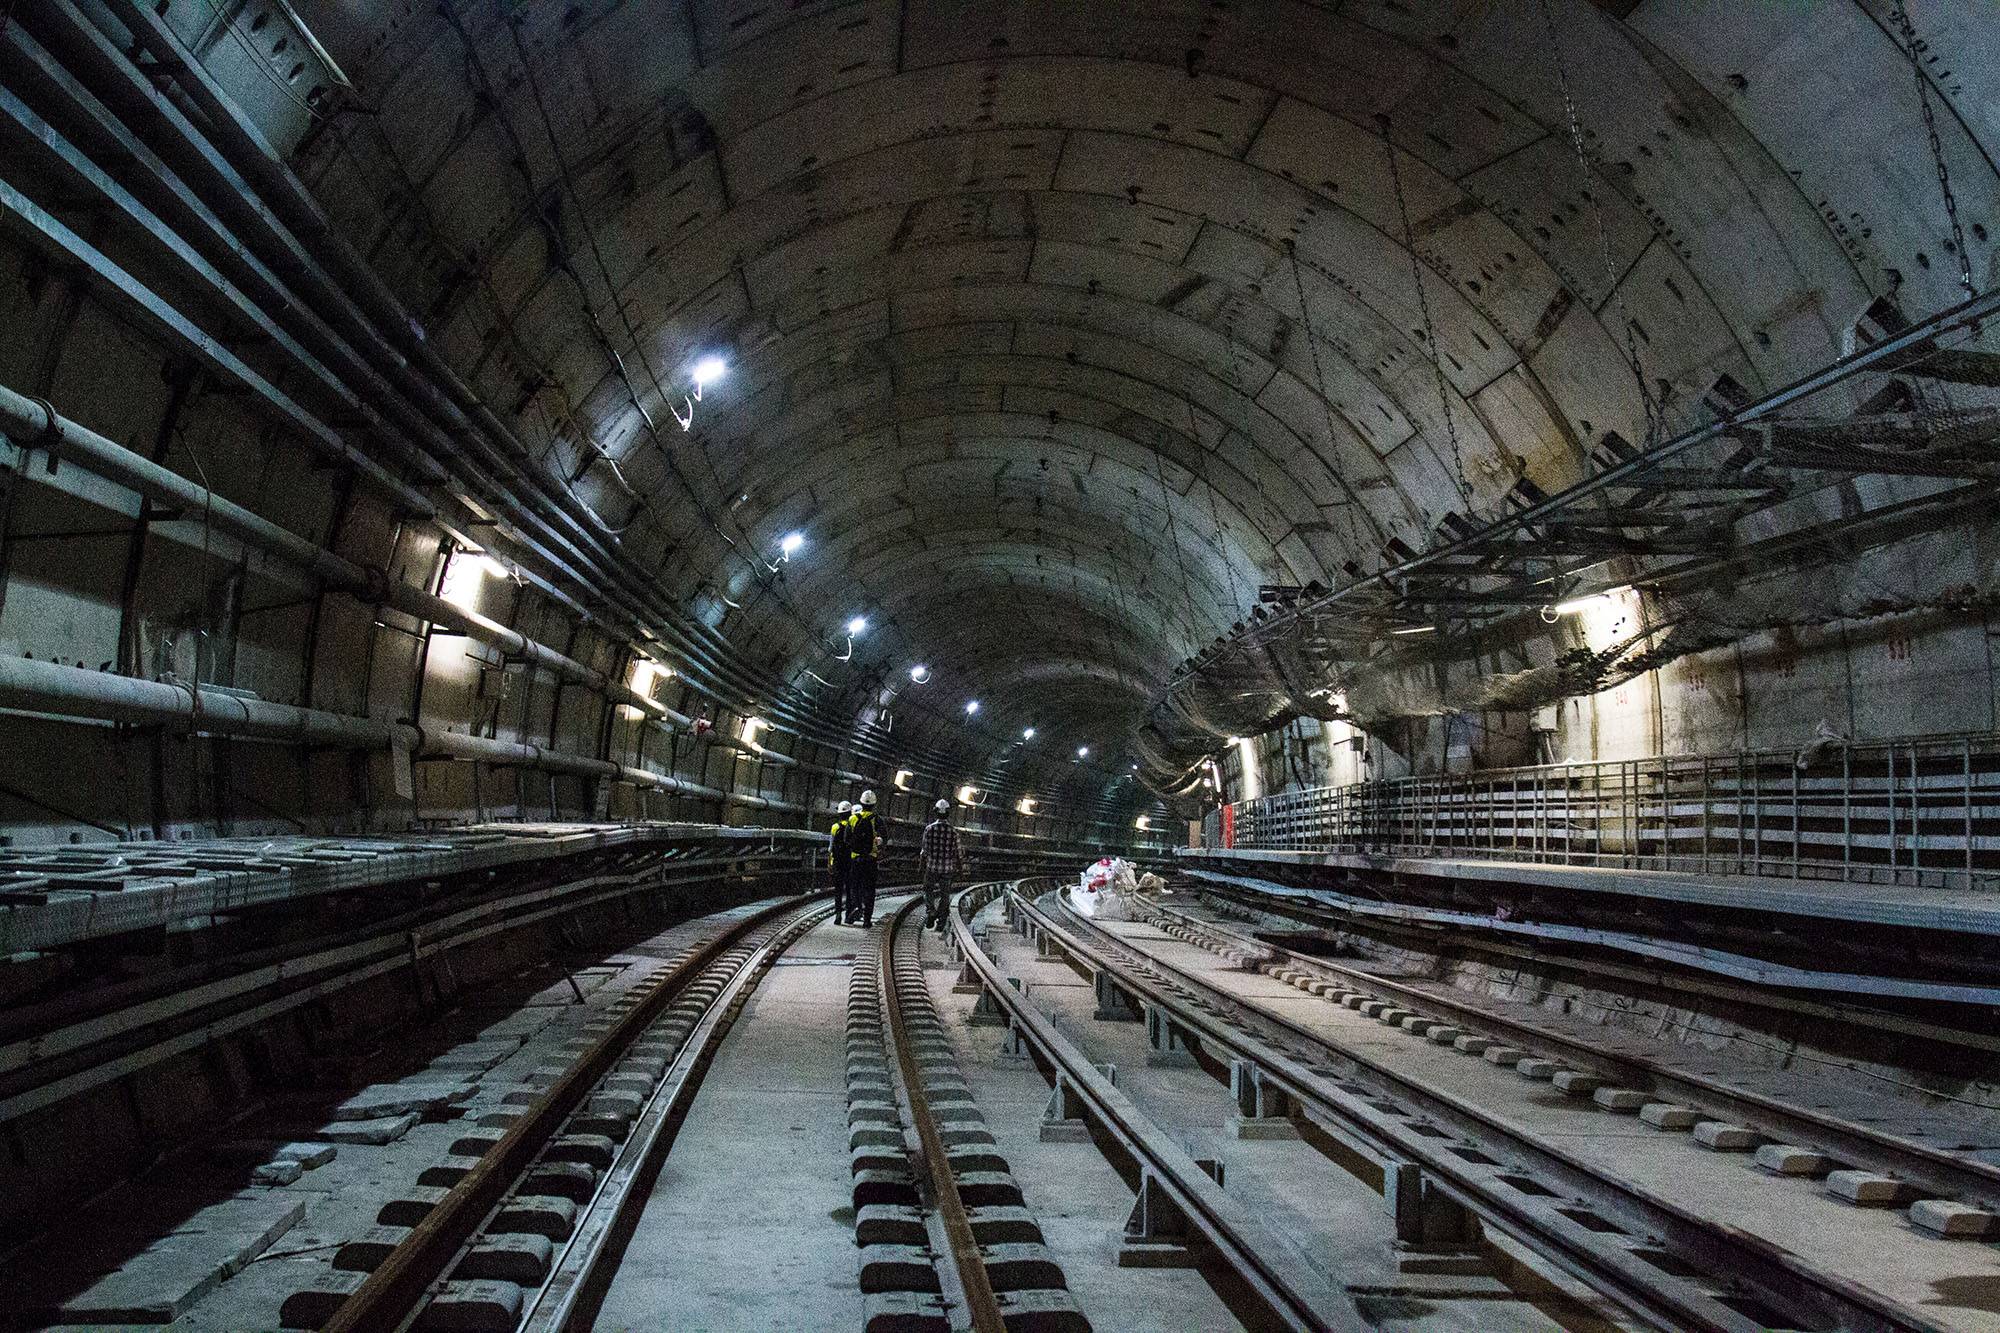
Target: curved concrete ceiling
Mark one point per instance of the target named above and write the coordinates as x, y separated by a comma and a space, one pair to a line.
1058, 328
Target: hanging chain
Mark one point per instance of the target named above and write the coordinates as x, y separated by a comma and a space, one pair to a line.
1914, 49
1613, 289
1424, 308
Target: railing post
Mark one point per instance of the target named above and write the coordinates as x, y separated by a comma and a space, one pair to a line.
1916, 819
1966, 755
1846, 812
1704, 814
1893, 877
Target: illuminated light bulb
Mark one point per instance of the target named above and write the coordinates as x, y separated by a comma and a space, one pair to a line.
1142, 824
1027, 733
1026, 805
857, 625
1083, 752
920, 673
790, 543
971, 707
708, 370
968, 795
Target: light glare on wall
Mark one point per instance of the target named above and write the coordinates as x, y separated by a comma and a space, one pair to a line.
1026, 805
644, 672
903, 776
463, 575
1142, 824
751, 726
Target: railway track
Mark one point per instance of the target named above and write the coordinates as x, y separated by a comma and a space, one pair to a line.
1667, 1265
525, 1234
1926, 1169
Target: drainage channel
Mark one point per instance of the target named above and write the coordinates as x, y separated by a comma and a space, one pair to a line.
1667, 1265
517, 1239
945, 1240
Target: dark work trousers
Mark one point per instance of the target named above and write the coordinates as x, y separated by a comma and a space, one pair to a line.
841, 874
937, 894
861, 892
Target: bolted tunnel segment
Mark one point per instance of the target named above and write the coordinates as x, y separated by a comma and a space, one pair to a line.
1418, 578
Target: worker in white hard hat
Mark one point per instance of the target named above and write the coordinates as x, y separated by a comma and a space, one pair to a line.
864, 848
838, 863
942, 863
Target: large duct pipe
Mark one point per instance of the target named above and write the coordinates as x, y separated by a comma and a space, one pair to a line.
36, 424
76, 692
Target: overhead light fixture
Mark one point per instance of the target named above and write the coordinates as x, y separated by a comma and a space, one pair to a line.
903, 776
1027, 733
789, 544
707, 371
1576, 604
1416, 629
971, 707
968, 795
920, 673
1142, 824
1026, 805
1083, 752
857, 625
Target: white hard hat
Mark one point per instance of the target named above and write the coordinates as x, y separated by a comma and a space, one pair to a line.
843, 807
867, 799
942, 805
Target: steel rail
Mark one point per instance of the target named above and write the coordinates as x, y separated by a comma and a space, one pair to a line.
982, 1307
396, 1290
1293, 1295
1778, 1277
575, 1281
1933, 1169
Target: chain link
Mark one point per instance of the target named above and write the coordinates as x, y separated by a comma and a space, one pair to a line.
1424, 308
1914, 49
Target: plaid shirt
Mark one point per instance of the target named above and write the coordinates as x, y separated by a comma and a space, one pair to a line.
939, 854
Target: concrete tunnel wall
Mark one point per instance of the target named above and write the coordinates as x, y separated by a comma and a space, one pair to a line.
1059, 329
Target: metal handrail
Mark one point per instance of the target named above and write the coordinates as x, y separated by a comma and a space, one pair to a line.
1919, 811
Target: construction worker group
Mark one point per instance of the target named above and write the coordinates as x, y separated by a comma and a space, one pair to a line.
855, 854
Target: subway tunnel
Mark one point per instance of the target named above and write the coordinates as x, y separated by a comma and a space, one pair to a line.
1416, 579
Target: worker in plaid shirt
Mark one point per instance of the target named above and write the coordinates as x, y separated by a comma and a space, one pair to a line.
942, 862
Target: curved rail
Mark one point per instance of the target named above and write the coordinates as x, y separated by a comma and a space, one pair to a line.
1690, 1292
1934, 1170
394, 1294
1292, 1296
982, 1307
